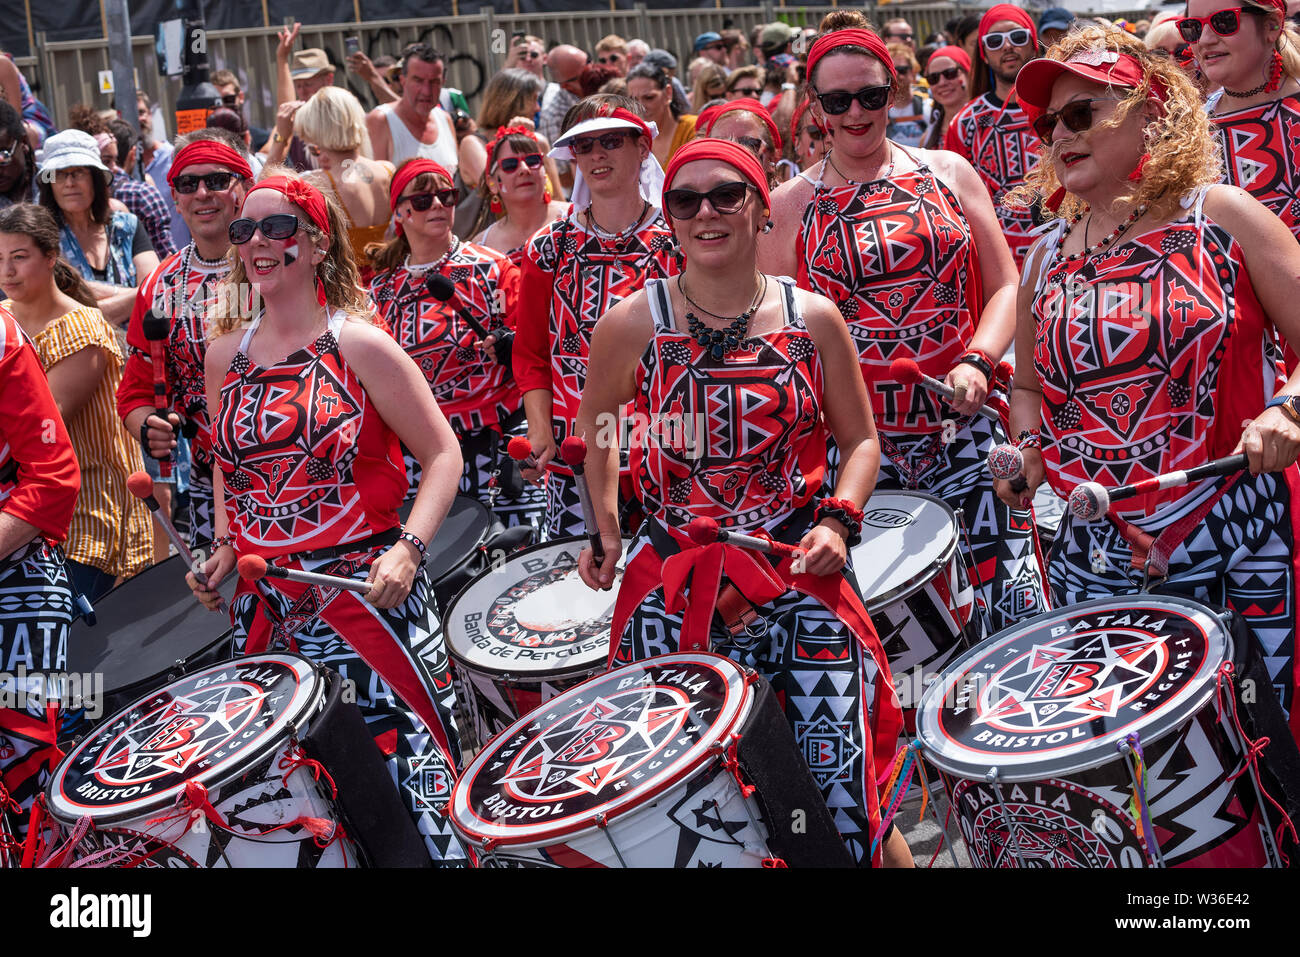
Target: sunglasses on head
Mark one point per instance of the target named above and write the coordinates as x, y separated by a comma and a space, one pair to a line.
279, 226
1077, 116
421, 202
1223, 22
949, 74
511, 163
726, 198
869, 97
608, 141
215, 182
994, 41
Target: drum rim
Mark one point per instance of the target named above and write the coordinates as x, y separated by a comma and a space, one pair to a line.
483, 669
1168, 722
296, 719
483, 536
618, 808
917, 582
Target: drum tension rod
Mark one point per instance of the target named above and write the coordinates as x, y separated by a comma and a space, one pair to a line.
992, 779
602, 824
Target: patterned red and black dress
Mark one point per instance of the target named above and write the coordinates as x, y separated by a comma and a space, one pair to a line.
1151, 355
184, 289
1000, 143
571, 277
478, 396
756, 465
313, 478
896, 255
39, 481
1260, 147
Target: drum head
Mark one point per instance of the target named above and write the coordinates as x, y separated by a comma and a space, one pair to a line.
207, 727
462, 531
1054, 694
533, 615
145, 625
603, 748
905, 537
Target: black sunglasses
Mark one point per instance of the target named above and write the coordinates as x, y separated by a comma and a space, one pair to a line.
421, 202
815, 133
1076, 115
608, 141
902, 68
751, 143
1223, 22
752, 92
279, 226
726, 198
215, 182
839, 101
511, 163
230, 99
949, 74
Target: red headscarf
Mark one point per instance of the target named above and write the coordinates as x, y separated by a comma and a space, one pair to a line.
747, 105
956, 54
408, 172
1005, 11
502, 133
725, 151
828, 42
208, 151
799, 111
303, 195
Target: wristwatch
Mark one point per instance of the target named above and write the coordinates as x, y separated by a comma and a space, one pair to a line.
277, 138
1290, 404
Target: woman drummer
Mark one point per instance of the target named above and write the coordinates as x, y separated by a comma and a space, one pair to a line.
576, 268
1143, 321
312, 399
470, 379
759, 366
1245, 48
906, 242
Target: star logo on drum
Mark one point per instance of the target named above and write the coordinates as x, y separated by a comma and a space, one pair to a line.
598, 746
1077, 679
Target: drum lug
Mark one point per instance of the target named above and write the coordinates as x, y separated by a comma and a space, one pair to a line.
602, 822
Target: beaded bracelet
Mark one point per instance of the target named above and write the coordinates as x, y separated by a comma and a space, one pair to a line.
222, 540
1030, 439
980, 360
844, 512
408, 537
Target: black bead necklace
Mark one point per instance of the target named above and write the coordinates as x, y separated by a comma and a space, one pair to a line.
720, 342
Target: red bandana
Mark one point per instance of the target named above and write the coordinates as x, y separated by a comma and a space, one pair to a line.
733, 154
747, 105
208, 151
303, 195
828, 42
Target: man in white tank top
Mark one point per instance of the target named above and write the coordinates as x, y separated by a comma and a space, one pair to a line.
416, 125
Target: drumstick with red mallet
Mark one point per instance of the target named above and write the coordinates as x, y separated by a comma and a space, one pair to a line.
1091, 500
705, 531
141, 486
574, 452
255, 567
156, 329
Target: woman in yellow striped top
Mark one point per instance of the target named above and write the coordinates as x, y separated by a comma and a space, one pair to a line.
110, 535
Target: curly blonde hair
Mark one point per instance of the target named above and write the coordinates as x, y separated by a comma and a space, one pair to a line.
1183, 151
337, 271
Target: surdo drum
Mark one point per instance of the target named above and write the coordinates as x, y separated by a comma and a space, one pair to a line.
1095, 736
914, 583
678, 761
227, 767
522, 632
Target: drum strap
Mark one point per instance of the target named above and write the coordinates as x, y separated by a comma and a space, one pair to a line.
1157, 549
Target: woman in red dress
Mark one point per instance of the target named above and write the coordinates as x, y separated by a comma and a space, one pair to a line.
764, 368
312, 399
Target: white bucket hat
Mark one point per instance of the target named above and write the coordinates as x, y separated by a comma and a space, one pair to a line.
66, 149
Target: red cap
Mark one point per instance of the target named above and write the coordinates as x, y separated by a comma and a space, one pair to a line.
1036, 79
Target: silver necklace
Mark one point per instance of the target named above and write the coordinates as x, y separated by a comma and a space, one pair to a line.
419, 269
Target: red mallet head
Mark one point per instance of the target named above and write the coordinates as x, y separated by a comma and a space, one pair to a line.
252, 567
905, 371
573, 450
1006, 461
519, 448
702, 530
140, 484
1089, 502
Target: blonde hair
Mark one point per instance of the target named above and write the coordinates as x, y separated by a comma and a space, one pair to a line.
613, 43
710, 75
337, 272
1182, 148
333, 120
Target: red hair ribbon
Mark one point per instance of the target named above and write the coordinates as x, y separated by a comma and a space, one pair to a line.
746, 105
724, 151
208, 151
828, 42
